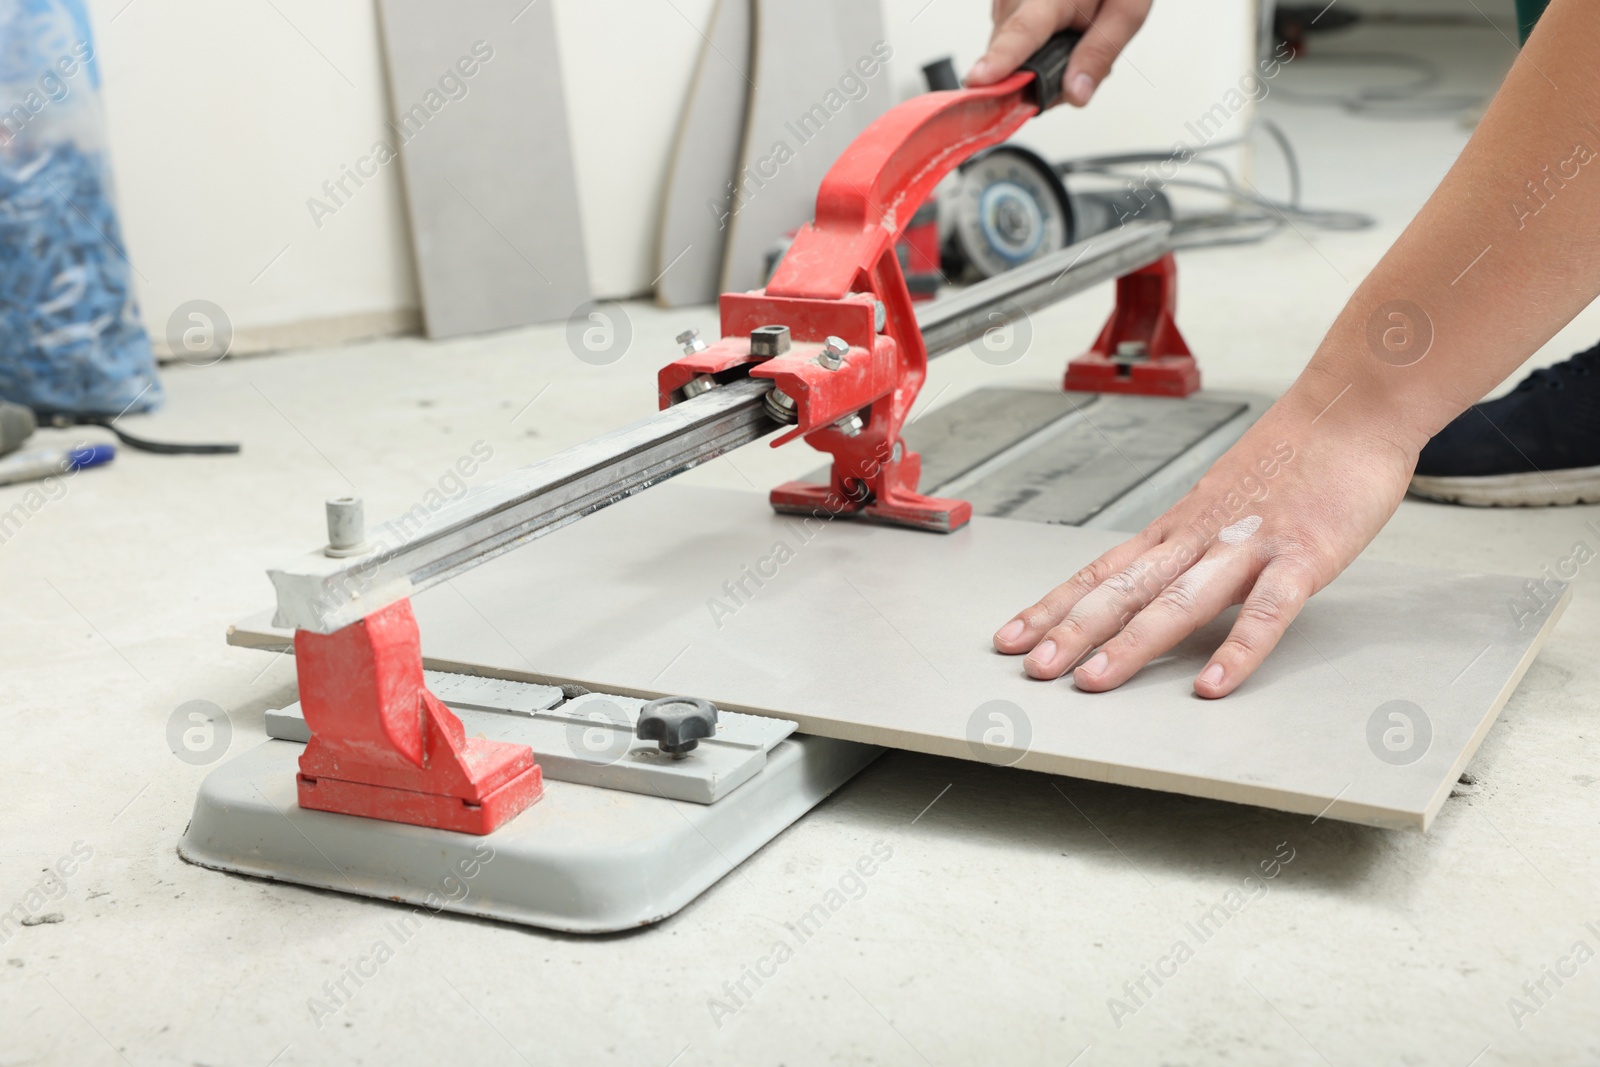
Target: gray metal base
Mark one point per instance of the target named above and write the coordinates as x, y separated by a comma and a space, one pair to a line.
582, 860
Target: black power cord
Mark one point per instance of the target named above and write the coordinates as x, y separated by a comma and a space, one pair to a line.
1255, 217
1294, 23
1411, 99
61, 420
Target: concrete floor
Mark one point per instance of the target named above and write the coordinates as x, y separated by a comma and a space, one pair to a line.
1007, 917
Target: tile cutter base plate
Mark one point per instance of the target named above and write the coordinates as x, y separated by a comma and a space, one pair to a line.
583, 860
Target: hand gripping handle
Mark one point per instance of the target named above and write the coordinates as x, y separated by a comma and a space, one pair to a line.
1049, 65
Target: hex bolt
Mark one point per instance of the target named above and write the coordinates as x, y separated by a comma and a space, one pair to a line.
1131, 351
690, 340
769, 341
834, 349
899, 451
347, 535
851, 425
780, 405
880, 314
696, 386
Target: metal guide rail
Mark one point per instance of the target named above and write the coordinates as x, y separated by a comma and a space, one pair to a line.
321, 592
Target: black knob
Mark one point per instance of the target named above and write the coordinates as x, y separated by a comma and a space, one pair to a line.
677, 723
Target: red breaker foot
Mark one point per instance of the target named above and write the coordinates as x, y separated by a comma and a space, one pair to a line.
906, 509
874, 491
1140, 349
383, 747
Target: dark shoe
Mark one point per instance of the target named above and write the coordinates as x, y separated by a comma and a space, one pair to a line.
1536, 446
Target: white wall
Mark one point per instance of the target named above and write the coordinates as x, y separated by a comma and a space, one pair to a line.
226, 117
627, 64
1180, 64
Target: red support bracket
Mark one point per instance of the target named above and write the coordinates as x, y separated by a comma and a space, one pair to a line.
384, 747
1140, 349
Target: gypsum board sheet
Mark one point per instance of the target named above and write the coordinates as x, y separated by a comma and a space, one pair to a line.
882, 635
491, 193
705, 156
820, 79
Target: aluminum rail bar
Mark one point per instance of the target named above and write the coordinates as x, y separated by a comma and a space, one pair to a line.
321, 593
951, 322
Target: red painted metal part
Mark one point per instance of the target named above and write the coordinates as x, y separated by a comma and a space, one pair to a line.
840, 266
918, 251
384, 747
1147, 299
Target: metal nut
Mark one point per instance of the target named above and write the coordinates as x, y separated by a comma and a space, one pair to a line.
780, 405
834, 349
696, 386
769, 341
1131, 351
690, 340
851, 425
880, 314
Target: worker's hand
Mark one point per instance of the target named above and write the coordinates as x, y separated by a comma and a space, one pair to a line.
1021, 27
1276, 518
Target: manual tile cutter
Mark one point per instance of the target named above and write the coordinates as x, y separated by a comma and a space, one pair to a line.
388, 785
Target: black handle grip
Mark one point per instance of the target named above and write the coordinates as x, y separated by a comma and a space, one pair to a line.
1049, 66
941, 75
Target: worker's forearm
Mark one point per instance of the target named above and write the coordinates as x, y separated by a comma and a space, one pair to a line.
1505, 252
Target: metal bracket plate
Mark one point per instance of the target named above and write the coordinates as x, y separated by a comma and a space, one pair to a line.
590, 739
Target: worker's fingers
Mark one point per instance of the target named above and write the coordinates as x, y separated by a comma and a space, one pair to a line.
1191, 600
1016, 37
1273, 602
999, 11
1024, 632
1109, 32
1106, 609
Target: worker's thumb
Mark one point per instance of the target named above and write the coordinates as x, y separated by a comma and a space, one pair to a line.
1089, 67
1016, 37
1111, 30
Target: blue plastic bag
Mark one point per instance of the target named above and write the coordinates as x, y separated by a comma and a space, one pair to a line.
70, 335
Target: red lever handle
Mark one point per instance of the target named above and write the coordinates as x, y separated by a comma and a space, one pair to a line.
869, 195
835, 273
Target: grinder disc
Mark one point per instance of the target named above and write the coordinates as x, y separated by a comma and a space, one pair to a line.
1009, 208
